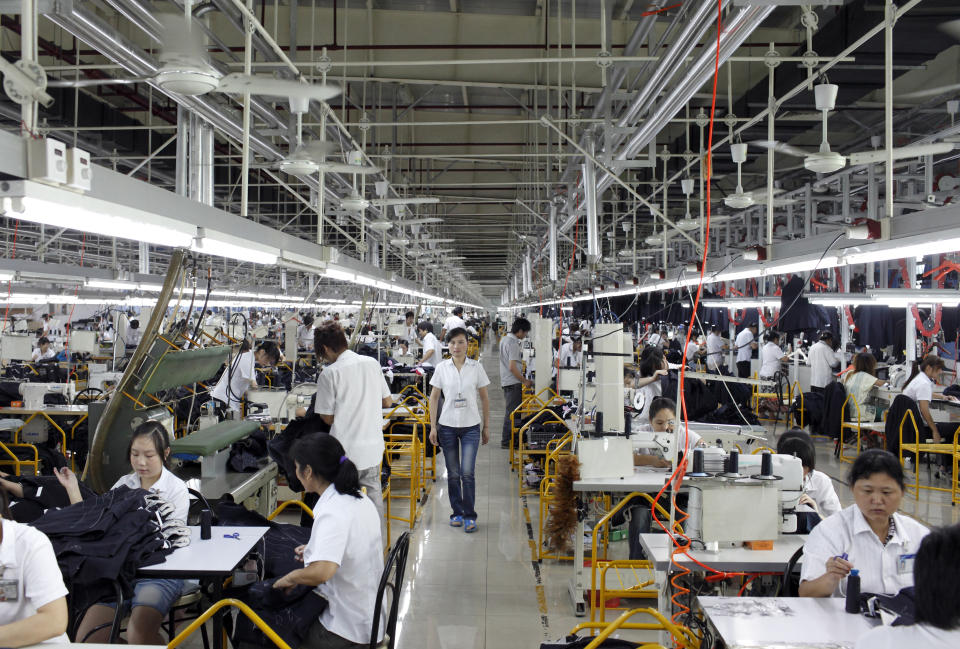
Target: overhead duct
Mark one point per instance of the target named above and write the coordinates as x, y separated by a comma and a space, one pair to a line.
590, 198
552, 234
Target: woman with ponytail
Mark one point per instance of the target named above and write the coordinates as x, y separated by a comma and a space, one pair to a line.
344, 557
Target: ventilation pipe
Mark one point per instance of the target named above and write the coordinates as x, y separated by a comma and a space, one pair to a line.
590, 198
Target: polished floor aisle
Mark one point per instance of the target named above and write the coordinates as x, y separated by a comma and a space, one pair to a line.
470, 591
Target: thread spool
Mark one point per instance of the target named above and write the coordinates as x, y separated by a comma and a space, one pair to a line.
698, 471
766, 468
733, 466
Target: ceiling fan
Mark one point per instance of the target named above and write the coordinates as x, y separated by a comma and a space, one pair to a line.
826, 161
185, 69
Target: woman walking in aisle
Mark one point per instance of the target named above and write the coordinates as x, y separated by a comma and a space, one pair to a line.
463, 383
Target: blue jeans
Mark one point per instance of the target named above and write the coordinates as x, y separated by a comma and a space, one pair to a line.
460, 455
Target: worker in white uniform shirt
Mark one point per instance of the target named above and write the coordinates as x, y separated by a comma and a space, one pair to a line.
716, 346
693, 353
454, 321
432, 349
462, 425
936, 576
771, 355
824, 361
343, 559
134, 335
351, 391
305, 333
410, 335
43, 351
744, 344
869, 536
34, 606
240, 373
571, 353
654, 339
920, 389
818, 492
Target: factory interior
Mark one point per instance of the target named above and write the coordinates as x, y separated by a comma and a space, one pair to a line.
465, 324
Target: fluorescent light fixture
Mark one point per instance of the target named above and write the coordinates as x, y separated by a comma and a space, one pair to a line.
870, 254
114, 284
60, 208
6, 277
742, 303
734, 275
296, 261
905, 296
839, 299
342, 275
803, 266
225, 245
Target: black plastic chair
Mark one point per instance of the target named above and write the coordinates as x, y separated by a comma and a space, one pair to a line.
786, 586
395, 566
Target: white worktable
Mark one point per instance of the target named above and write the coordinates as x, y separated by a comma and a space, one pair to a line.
784, 622
658, 547
216, 556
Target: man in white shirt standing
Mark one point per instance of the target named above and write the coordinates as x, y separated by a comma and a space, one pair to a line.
716, 345
453, 321
823, 361
746, 342
351, 392
432, 349
410, 332
511, 374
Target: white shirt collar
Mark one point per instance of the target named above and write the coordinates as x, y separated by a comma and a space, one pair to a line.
8, 547
861, 526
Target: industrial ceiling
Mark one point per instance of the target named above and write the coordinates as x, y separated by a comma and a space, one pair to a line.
447, 98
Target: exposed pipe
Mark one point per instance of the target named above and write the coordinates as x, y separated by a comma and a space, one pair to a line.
590, 200
552, 233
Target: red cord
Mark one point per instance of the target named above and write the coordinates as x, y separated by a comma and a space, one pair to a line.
677, 476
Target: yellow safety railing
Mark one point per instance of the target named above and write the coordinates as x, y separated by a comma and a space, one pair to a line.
556, 449
531, 453
287, 503
917, 448
243, 608
599, 528
682, 636
761, 449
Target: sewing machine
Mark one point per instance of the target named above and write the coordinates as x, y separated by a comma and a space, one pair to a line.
33, 393
100, 379
755, 500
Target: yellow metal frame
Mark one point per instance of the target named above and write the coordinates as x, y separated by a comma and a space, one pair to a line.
761, 449
599, 528
213, 610
938, 449
398, 446
560, 448
282, 506
758, 396
845, 425
15, 461
532, 403
523, 452
682, 636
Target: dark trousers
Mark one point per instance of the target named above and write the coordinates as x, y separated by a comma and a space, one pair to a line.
512, 396
743, 369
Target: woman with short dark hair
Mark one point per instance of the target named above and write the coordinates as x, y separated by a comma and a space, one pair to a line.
920, 388
869, 536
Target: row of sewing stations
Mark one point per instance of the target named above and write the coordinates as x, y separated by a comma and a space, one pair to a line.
738, 520
87, 417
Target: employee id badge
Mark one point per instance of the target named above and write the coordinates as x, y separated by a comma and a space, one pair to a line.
459, 402
905, 564
9, 590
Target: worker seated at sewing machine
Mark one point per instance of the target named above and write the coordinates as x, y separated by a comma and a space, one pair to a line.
819, 499
240, 375
44, 350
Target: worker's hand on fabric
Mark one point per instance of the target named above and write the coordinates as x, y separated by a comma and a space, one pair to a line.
661, 372
300, 412
807, 500
284, 583
298, 553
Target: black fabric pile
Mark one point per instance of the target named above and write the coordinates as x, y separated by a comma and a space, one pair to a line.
106, 539
41, 493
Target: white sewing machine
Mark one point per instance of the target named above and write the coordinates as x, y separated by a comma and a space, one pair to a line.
33, 393
99, 379
746, 505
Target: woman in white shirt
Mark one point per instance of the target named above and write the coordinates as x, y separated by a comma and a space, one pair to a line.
43, 351
149, 453
305, 334
936, 575
771, 355
860, 382
463, 384
653, 365
920, 389
869, 535
344, 557
36, 609
818, 492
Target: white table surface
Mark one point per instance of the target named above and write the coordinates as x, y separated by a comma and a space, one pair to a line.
784, 622
214, 556
646, 479
658, 546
